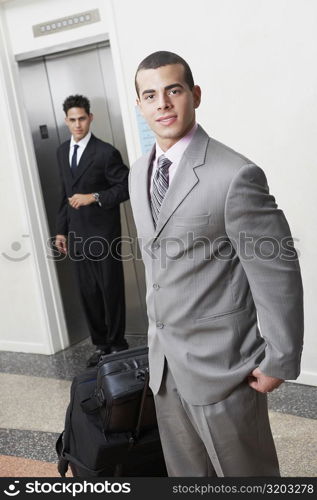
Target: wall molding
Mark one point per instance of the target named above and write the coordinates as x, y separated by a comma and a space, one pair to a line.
26, 347
306, 378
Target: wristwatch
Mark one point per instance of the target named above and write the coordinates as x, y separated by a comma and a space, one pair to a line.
97, 200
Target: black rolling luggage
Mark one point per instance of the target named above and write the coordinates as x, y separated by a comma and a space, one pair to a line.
110, 426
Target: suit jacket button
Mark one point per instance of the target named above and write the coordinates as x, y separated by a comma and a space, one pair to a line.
159, 324
156, 286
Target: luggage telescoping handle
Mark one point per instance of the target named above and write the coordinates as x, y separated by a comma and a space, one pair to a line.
142, 374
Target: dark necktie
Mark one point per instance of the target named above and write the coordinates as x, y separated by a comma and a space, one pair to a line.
160, 186
74, 159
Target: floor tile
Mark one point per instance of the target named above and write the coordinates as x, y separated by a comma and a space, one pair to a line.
33, 403
29, 444
295, 399
296, 443
23, 467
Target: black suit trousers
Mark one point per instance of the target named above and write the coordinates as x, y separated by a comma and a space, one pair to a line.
101, 286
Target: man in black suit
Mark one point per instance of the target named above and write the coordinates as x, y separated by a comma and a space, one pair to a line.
94, 182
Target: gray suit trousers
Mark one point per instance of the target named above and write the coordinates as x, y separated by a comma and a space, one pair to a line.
229, 438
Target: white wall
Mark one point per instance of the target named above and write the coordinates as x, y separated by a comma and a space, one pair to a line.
21, 15
21, 309
26, 319
255, 62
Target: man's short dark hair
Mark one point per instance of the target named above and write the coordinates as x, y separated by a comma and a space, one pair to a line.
76, 101
163, 58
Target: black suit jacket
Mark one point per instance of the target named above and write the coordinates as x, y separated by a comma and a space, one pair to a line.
100, 170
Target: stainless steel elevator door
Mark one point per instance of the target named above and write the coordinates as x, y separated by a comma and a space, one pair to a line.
46, 82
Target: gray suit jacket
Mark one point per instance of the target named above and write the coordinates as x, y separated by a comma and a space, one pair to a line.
221, 255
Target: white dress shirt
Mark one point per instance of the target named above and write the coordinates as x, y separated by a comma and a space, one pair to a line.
174, 154
82, 146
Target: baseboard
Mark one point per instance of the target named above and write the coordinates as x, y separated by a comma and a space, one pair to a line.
27, 347
306, 378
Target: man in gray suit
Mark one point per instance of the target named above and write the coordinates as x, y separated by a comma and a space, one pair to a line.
220, 268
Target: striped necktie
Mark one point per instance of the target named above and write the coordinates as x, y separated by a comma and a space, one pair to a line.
160, 186
74, 159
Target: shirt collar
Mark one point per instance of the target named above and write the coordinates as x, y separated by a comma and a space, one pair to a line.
175, 152
82, 143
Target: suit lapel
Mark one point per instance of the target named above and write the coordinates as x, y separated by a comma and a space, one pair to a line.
86, 159
143, 193
66, 166
185, 177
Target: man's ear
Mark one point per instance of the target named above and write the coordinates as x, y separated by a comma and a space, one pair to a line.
196, 95
138, 103
91, 116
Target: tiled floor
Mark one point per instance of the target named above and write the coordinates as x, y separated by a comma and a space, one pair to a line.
35, 394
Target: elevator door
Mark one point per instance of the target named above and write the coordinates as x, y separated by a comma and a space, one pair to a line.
46, 82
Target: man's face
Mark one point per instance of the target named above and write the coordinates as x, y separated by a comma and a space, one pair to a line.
167, 103
78, 122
